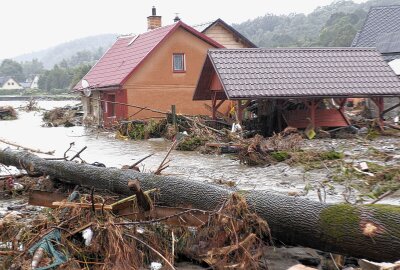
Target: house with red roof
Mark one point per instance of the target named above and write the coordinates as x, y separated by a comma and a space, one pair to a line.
149, 72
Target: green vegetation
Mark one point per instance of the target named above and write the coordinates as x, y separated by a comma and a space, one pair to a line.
190, 143
331, 155
142, 130
11, 68
332, 25
280, 155
340, 220
62, 78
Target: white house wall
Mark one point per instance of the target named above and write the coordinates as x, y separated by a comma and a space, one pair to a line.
11, 84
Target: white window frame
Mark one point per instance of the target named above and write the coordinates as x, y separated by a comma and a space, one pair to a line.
184, 63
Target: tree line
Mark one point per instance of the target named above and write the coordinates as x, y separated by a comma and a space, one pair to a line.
334, 25
62, 77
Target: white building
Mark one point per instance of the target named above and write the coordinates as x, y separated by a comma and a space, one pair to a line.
8, 83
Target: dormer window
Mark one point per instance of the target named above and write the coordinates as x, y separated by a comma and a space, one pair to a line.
178, 62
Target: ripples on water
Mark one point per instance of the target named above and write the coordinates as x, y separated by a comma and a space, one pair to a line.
104, 148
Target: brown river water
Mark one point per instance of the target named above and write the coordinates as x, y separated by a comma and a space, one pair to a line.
102, 147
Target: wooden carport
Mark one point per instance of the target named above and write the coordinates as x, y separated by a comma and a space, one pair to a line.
307, 76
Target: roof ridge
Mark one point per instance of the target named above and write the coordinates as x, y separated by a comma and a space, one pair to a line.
299, 49
204, 23
383, 7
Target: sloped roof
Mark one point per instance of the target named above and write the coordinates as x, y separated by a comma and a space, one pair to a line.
3, 80
388, 42
298, 72
126, 54
383, 20
200, 27
205, 26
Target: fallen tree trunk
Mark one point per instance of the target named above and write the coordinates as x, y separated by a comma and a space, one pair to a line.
369, 231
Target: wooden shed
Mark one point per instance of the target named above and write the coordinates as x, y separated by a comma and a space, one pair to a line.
305, 77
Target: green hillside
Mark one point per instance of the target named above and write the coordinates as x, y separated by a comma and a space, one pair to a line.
333, 25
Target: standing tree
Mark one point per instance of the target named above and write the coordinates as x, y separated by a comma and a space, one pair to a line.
34, 67
11, 68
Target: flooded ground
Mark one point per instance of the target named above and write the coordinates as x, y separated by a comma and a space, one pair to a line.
103, 147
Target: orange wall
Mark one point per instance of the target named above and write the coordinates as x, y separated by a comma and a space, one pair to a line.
155, 85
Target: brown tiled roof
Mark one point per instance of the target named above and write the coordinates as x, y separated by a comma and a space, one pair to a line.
298, 72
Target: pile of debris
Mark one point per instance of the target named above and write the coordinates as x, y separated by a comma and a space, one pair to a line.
97, 231
142, 130
191, 132
161, 219
263, 151
67, 116
7, 113
31, 105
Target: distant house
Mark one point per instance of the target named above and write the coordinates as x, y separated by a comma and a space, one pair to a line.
381, 29
224, 34
153, 70
35, 82
308, 86
8, 83
31, 83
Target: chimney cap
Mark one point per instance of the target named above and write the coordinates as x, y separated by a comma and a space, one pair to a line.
177, 19
153, 11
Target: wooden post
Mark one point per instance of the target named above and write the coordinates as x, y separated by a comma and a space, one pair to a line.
173, 112
312, 112
342, 102
214, 102
381, 106
239, 112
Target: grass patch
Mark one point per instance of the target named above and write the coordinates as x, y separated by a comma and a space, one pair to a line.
331, 155
190, 143
280, 155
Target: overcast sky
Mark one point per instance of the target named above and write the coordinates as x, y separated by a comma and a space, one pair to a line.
31, 25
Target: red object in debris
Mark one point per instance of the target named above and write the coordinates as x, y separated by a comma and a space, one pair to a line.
10, 183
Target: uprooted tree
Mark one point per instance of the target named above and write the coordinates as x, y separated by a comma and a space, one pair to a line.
362, 231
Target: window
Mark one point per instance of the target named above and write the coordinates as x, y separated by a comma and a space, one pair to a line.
179, 62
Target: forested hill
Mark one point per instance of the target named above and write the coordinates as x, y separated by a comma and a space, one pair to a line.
333, 25
93, 46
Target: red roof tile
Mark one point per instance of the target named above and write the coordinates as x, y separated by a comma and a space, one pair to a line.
126, 54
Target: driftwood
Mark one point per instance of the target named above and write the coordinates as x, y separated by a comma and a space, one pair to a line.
369, 231
27, 148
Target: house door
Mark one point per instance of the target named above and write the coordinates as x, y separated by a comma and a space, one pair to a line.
109, 109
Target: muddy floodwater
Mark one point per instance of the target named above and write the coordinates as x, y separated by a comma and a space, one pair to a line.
102, 147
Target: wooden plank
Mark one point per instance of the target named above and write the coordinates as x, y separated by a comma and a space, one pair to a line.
44, 198
97, 206
323, 118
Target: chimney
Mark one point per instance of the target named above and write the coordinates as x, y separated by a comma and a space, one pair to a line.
153, 21
177, 19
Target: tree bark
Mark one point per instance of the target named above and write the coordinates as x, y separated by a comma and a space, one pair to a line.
368, 231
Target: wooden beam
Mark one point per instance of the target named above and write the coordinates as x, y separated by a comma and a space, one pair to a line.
312, 112
214, 102
219, 104
381, 107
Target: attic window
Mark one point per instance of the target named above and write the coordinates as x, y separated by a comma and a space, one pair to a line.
179, 62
